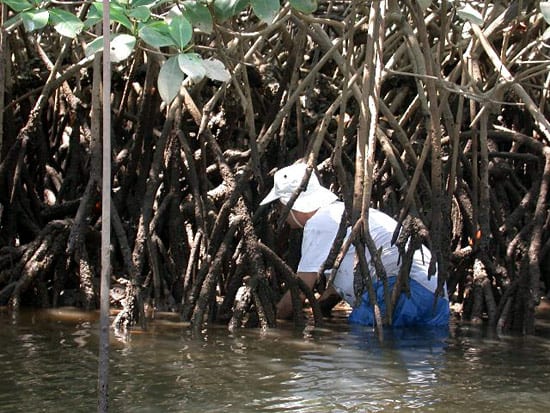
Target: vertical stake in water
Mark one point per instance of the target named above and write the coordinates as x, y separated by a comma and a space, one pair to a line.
103, 376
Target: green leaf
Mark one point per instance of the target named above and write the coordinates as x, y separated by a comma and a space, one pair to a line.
181, 31
470, 14
545, 10
140, 13
240, 5
121, 45
156, 34
95, 14
224, 9
35, 19
305, 6
198, 15
191, 65
65, 23
169, 80
18, 5
138, 3
424, 4
12, 22
266, 10
116, 13
94, 46
216, 70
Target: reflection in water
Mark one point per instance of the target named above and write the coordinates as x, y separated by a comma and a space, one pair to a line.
49, 364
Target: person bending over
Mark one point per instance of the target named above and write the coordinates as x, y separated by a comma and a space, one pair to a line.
318, 212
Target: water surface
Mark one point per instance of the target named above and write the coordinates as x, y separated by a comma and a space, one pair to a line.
48, 363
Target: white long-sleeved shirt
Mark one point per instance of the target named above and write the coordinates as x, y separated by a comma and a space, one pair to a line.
319, 234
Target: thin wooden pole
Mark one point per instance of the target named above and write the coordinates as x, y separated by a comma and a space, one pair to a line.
103, 374
3, 77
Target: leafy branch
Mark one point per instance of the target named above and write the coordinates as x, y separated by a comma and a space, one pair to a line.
156, 23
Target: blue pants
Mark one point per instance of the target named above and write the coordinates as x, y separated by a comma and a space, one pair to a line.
416, 310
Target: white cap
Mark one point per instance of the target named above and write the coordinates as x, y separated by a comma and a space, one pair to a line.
287, 180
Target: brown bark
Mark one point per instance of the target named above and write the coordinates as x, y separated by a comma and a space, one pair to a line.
452, 138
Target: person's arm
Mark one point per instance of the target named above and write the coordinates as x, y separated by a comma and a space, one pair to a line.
284, 307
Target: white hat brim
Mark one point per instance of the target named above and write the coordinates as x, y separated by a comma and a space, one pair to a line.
311, 201
270, 197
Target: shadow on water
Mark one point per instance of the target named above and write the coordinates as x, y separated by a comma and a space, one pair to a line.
48, 363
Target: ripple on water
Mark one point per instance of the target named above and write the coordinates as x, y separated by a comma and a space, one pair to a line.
51, 365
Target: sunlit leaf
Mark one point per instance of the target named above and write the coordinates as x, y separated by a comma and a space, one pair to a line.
18, 5
156, 34
170, 79
181, 31
216, 70
545, 10
65, 23
192, 65
121, 46
305, 6
199, 15
35, 19
266, 10
470, 14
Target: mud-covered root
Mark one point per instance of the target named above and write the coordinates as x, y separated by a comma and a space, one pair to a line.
37, 267
132, 311
241, 307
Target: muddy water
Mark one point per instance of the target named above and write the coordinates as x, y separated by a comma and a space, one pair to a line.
48, 363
